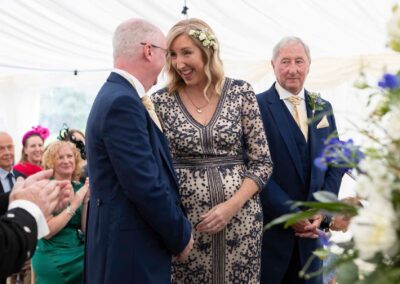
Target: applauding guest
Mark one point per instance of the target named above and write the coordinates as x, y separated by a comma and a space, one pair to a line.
59, 256
32, 151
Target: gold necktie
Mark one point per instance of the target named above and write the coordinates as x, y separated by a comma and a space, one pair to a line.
299, 116
148, 104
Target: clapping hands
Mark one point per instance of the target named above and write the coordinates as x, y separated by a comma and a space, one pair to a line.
48, 195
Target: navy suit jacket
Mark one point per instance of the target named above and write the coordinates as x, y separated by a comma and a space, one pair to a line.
16, 245
288, 182
16, 175
135, 220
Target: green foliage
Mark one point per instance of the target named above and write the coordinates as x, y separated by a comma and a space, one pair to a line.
347, 273
313, 209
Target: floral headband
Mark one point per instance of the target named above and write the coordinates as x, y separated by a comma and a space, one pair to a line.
42, 132
206, 38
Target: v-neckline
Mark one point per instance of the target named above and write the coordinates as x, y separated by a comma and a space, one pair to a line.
215, 115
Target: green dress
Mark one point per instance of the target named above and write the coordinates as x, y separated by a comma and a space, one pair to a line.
60, 259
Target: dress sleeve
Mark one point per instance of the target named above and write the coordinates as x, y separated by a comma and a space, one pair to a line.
259, 163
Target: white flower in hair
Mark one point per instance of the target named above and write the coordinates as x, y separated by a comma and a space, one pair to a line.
205, 37
202, 36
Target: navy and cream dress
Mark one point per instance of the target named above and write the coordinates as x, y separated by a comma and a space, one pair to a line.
211, 162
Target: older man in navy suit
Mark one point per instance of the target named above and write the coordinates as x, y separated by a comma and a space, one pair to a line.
136, 223
294, 144
7, 174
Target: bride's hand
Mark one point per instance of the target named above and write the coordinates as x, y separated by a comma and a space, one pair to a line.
218, 217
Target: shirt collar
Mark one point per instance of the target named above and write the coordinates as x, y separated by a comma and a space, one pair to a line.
133, 80
4, 173
284, 94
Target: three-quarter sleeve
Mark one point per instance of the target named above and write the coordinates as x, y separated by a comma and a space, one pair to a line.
259, 163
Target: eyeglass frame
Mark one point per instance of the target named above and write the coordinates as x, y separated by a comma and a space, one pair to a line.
155, 46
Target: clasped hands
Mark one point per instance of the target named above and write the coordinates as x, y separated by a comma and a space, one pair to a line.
308, 228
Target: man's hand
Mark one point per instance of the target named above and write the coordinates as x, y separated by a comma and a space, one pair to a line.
42, 175
185, 253
339, 223
308, 228
47, 195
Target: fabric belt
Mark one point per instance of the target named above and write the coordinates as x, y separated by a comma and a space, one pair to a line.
207, 161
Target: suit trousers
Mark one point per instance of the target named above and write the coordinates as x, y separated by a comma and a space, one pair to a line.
292, 272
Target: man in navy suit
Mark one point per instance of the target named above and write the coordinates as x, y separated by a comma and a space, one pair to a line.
7, 174
136, 223
294, 144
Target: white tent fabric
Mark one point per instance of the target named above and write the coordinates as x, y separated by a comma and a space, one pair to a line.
44, 41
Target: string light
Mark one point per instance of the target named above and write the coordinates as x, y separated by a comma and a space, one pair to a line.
75, 72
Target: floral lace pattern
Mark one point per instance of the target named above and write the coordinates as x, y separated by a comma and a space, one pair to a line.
209, 161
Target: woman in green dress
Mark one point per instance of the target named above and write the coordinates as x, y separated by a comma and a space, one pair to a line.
59, 256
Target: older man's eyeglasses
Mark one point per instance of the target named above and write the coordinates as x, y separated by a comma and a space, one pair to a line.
156, 46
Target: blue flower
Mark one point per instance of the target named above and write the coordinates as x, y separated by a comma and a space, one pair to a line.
320, 163
339, 154
324, 238
389, 81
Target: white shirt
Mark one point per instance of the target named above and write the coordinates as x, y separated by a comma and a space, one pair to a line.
4, 179
133, 80
36, 213
284, 94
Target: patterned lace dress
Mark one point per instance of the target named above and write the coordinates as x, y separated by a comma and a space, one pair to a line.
210, 164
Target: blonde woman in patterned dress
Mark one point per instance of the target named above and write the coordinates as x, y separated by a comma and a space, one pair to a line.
220, 154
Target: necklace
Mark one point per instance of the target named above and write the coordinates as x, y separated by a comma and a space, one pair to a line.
199, 109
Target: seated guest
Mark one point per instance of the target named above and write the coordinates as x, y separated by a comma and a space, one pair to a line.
7, 174
59, 256
30, 163
32, 151
78, 138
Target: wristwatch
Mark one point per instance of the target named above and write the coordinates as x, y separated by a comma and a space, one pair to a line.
326, 223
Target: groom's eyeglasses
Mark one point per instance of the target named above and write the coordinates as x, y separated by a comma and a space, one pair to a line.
156, 46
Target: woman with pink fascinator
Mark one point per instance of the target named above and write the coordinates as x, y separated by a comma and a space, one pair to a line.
30, 163
32, 151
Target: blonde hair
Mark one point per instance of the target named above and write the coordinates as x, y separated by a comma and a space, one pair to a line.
50, 157
213, 68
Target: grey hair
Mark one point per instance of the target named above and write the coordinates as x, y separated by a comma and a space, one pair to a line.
130, 34
290, 40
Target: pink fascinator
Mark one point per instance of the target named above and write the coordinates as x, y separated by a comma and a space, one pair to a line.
43, 132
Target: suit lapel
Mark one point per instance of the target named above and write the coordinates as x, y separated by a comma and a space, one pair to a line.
282, 124
311, 129
116, 78
313, 140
